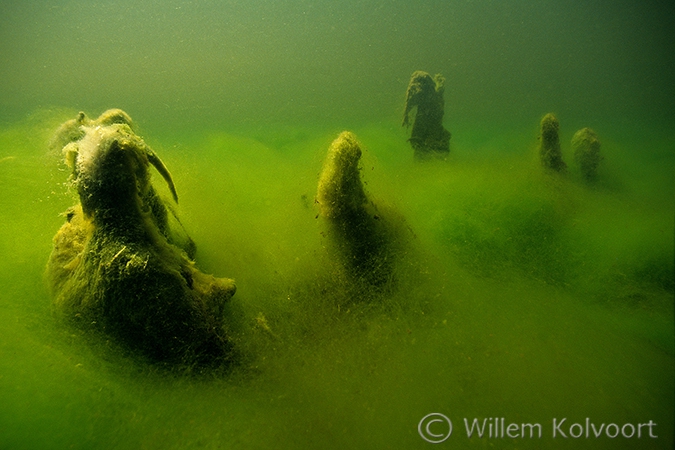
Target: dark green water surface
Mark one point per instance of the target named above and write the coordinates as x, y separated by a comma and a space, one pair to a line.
526, 296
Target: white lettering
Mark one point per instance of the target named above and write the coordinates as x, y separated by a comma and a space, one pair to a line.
597, 433
556, 428
512, 428
479, 430
531, 426
623, 430
650, 424
581, 430
497, 427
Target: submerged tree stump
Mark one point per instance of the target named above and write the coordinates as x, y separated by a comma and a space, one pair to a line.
549, 145
364, 239
122, 264
586, 147
424, 109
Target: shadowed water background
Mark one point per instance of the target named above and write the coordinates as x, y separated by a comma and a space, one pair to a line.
524, 296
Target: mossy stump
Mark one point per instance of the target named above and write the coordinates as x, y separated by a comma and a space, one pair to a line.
549, 145
122, 265
424, 109
587, 157
361, 236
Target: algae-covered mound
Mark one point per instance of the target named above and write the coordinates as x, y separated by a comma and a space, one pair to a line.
586, 146
121, 264
549, 147
425, 94
363, 237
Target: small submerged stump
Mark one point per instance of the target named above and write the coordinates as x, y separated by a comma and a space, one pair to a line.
424, 109
587, 157
122, 264
362, 237
549, 145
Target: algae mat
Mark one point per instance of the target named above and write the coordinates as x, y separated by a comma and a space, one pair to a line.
526, 299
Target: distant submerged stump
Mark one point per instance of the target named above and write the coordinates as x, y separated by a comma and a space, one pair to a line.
586, 147
549, 145
122, 264
428, 137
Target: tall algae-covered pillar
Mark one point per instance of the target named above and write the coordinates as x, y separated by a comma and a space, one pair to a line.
428, 138
360, 237
120, 265
549, 145
586, 147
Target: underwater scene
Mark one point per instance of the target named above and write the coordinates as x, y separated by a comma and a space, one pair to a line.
353, 224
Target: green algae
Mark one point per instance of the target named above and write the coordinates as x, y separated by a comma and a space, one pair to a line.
530, 297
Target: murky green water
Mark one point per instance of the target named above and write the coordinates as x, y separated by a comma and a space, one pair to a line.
525, 296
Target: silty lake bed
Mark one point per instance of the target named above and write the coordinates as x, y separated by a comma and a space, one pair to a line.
522, 297
525, 295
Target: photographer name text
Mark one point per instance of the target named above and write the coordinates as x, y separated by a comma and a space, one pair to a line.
436, 428
497, 427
